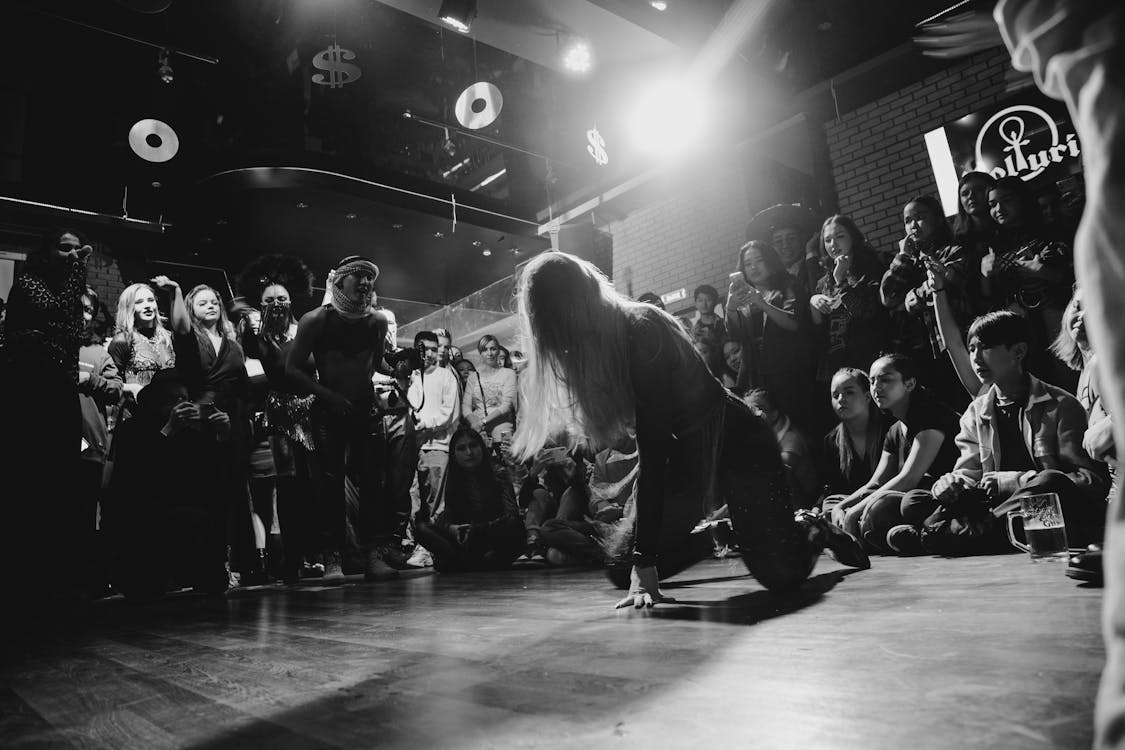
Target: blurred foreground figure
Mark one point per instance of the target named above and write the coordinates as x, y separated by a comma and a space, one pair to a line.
1076, 51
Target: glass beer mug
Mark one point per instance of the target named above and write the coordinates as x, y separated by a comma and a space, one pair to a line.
1043, 528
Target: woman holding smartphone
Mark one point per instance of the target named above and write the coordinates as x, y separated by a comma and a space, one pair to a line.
769, 316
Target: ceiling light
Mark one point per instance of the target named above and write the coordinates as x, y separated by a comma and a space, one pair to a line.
577, 58
396, 226
449, 146
349, 216
658, 4
164, 69
458, 14
439, 235
486, 252
489, 180
302, 204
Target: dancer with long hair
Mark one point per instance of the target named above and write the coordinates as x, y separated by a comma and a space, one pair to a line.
603, 366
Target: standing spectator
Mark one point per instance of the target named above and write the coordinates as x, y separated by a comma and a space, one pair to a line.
347, 340
855, 324
435, 398
707, 327
142, 346
41, 437
499, 386
905, 290
99, 389
473, 408
973, 227
277, 285
1029, 273
790, 229
768, 315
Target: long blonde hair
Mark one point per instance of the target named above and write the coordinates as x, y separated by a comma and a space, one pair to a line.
126, 321
224, 325
575, 330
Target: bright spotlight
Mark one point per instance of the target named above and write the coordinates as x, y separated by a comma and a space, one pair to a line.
669, 118
578, 57
659, 4
458, 14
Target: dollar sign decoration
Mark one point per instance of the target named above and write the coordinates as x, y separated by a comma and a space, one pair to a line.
339, 72
596, 148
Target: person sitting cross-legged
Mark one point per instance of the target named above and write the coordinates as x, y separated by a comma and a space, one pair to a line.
1020, 437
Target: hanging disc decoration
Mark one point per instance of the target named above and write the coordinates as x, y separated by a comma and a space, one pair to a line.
153, 140
479, 105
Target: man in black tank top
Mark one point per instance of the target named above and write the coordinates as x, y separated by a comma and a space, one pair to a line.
347, 340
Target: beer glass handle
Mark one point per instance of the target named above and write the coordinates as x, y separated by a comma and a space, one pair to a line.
1012, 533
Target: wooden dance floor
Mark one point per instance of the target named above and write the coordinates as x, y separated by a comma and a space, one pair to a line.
916, 653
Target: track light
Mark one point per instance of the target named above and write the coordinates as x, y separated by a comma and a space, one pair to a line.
164, 68
458, 14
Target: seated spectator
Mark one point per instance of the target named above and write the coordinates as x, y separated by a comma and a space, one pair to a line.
1021, 437
795, 451
847, 306
555, 488
851, 451
906, 291
918, 449
479, 527
1072, 347
174, 529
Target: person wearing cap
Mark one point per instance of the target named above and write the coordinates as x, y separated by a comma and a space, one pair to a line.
346, 340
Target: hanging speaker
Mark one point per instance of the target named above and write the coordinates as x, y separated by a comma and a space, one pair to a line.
153, 140
479, 105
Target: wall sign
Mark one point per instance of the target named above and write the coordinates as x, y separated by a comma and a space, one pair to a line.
1022, 141
1028, 136
337, 71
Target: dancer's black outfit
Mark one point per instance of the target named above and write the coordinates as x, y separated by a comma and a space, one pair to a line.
693, 432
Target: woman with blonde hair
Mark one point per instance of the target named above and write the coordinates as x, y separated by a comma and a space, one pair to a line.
603, 366
141, 345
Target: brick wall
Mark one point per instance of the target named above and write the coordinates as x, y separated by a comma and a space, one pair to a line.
878, 152
104, 276
686, 239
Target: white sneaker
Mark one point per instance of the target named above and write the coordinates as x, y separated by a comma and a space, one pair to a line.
421, 558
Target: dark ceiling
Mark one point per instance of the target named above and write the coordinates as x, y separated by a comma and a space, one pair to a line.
362, 177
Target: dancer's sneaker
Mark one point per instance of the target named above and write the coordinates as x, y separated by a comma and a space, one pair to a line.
906, 540
842, 546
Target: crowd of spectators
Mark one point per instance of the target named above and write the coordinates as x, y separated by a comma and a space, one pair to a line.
916, 393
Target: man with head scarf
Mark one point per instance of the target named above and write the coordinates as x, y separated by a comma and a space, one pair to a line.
346, 340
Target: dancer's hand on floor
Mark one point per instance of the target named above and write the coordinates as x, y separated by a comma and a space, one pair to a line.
644, 589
